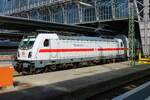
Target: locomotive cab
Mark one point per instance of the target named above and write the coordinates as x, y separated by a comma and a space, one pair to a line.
24, 55
25, 48
29, 56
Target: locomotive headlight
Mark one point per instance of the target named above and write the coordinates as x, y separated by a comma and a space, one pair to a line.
30, 55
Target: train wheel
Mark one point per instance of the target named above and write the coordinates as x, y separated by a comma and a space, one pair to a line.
94, 62
24, 71
75, 65
18, 68
40, 70
81, 64
53, 67
47, 69
28, 71
31, 69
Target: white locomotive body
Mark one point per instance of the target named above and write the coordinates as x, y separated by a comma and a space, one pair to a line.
44, 50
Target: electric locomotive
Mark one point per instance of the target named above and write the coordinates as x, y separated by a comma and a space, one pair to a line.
50, 51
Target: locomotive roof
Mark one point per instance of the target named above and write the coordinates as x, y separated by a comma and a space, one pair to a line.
86, 38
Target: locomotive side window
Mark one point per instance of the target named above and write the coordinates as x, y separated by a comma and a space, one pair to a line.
121, 44
46, 43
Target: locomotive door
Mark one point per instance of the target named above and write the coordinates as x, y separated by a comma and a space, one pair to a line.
119, 51
43, 49
99, 51
54, 47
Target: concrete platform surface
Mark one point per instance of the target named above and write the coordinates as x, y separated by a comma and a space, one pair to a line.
59, 76
73, 84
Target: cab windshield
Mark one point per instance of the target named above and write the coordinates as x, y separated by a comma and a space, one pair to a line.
27, 43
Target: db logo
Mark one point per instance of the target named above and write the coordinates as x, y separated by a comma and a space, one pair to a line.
23, 54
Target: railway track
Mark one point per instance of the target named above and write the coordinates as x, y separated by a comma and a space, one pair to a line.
108, 95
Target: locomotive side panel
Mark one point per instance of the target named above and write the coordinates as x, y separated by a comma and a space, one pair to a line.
121, 48
72, 49
43, 50
108, 49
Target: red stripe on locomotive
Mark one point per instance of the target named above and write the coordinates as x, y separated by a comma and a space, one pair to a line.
81, 50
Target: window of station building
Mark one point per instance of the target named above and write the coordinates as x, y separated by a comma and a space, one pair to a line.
46, 43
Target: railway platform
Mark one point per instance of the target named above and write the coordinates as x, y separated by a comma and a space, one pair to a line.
73, 84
